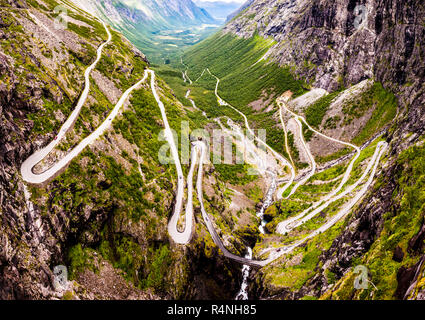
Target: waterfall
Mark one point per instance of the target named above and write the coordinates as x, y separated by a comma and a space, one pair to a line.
267, 203
243, 292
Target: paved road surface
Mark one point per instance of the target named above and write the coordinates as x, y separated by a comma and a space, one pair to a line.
27, 166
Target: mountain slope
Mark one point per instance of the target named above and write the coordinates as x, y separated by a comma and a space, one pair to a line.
244, 6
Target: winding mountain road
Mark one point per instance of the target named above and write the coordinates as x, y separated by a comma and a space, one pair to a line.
313, 163
26, 168
275, 253
289, 224
331, 197
284, 161
199, 150
39, 155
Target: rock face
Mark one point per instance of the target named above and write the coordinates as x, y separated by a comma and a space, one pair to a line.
21, 245
328, 42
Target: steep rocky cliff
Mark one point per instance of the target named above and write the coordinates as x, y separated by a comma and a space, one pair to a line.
345, 40
34, 100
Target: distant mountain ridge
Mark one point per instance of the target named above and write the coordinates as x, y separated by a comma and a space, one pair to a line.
159, 28
154, 15
239, 10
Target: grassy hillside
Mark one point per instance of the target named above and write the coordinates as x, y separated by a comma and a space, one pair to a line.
236, 62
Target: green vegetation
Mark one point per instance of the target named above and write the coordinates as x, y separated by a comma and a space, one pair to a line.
45, 122
87, 32
236, 174
79, 260
319, 185
234, 61
385, 109
288, 208
381, 101
26, 67
330, 173
255, 194
173, 77
334, 156
127, 255
107, 181
399, 227
302, 262
140, 125
157, 276
124, 196
243, 81
202, 92
120, 64
315, 113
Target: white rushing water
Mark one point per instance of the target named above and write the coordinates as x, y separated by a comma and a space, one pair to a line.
267, 203
243, 292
